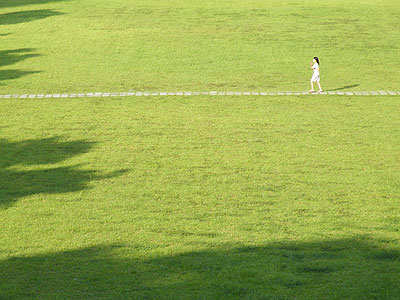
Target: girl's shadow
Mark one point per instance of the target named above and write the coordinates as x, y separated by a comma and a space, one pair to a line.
345, 87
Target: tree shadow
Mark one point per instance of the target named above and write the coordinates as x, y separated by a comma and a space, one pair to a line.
14, 3
344, 88
27, 16
14, 56
14, 74
10, 57
41, 151
338, 269
27, 168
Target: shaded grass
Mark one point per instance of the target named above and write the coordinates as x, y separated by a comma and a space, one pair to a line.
26, 16
336, 269
18, 3
16, 183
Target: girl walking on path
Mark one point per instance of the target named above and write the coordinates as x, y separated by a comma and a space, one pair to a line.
315, 78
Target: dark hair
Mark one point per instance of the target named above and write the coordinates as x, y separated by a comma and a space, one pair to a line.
316, 58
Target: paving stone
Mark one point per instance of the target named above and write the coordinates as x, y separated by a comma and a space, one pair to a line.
188, 93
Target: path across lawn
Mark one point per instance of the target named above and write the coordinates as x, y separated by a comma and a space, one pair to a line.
211, 93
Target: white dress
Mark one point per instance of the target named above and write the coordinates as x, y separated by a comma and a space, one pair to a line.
315, 76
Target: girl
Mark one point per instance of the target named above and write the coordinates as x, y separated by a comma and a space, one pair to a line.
315, 78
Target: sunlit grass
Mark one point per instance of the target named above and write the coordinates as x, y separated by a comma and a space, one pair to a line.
93, 45
231, 197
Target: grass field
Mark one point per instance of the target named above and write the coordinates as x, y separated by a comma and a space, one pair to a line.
62, 46
256, 198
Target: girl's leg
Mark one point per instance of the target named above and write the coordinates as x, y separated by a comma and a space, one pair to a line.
312, 86
319, 85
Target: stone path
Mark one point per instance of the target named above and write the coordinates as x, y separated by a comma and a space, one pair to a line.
212, 93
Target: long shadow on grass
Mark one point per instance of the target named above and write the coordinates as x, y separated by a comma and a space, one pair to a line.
344, 87
14, 74
339, 269
10, 57
26, 16
14, 3
29, 168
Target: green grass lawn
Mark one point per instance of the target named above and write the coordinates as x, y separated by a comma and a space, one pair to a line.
199, 197
86, 45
